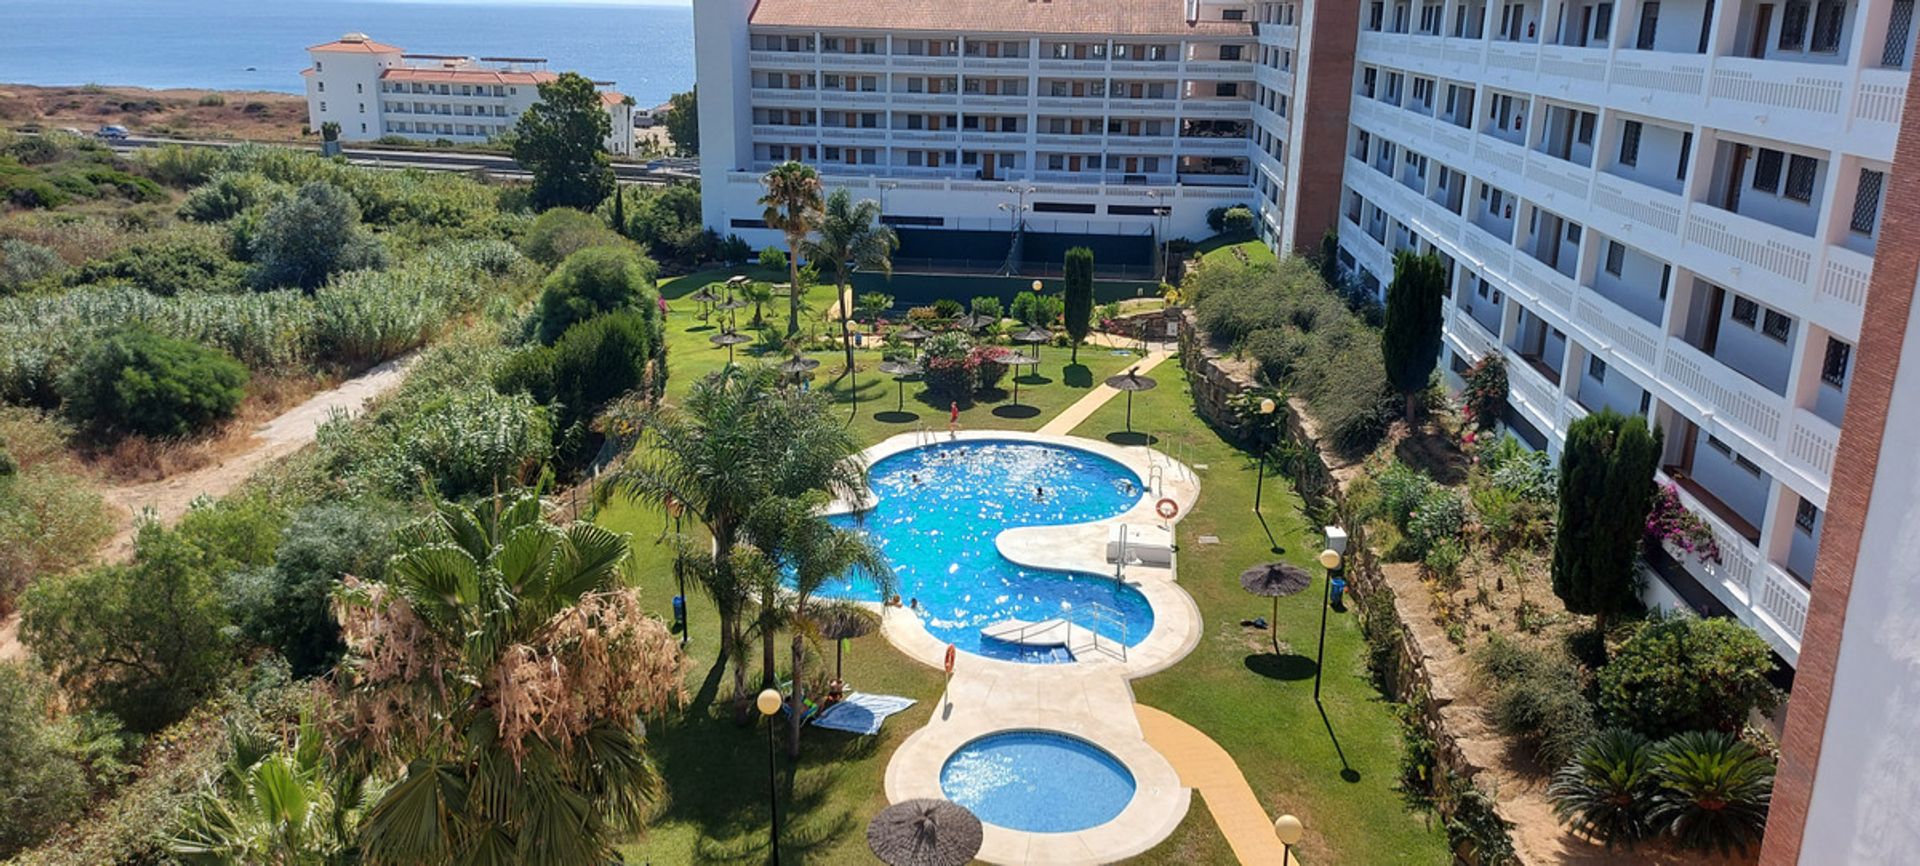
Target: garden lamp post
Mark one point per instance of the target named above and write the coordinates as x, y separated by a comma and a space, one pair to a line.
675, 508
1330, 560
768, 703
1289, 829
1260, 442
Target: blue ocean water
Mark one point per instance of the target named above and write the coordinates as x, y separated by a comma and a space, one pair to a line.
1037, 781
938, 510
646, 50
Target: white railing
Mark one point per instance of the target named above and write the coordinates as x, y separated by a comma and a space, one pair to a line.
1732, 397
1812, 442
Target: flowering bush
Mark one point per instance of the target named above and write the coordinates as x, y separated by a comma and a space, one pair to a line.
1486, 390
988, 367
1670, 522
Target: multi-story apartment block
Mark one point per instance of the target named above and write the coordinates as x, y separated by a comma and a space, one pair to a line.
1668, 208
997, 131
373, 90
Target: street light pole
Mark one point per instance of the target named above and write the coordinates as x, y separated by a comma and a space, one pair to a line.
1330, 559
768, 703
1260, 442
1289, 830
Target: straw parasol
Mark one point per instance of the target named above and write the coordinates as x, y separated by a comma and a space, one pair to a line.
975, 322
1130, 382
1016, 360
901, 371
925, 832
1035, 337
1273, 580
729, 339
798, 365
843, 621
914, 335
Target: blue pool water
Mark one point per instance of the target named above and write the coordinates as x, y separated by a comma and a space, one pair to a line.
938, 510
1037, 781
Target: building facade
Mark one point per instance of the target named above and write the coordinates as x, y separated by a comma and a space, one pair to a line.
374, 90
1669, 208
993, 131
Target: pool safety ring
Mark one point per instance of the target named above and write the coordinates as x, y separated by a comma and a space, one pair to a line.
1167, 509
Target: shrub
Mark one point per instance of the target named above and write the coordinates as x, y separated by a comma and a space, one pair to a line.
1670, 522
461, 438
175, 262
1443, 559
1682, 673
1236, 220
41, 779
1485, 396
593, 362
1537, 698
988, 368
952, 371
1714, 791
22, 263
734, 250
774, 258
1606, 791
310, 236
560, 232
180, 166
140, 382
321, 545
1217, 219
590, 282
1605, 491
1037, 310
1440, 516
228, 195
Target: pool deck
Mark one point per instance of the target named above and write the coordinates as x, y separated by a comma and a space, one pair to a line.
1090, 698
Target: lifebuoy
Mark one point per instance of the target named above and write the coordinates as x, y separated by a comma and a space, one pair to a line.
950, 655
1167, 509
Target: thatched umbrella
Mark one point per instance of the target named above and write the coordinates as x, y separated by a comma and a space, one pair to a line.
1016, 361
1035, 337
1130, 382
1273, 580
798, 366
925, 833
901, 371
843, 621
729, 339
915, 336
975, 322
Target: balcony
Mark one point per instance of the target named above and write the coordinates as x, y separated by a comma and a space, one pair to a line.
1745, 405
1736, 241
1759, 593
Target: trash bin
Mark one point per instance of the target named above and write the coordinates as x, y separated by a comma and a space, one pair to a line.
1337, 588
680, 614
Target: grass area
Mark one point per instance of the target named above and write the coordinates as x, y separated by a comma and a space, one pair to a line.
1337, 774
1221, 248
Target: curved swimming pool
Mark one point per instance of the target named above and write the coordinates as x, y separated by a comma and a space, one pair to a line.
937, 511
1037, 781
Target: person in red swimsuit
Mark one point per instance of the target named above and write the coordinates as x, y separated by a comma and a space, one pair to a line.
953, 416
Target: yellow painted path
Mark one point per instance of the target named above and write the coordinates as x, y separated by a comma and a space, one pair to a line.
1070, 417
1206, 767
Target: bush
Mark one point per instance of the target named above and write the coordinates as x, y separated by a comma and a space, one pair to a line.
1683, 673
593, 363
1714, 791
1217, 219
1485, 394
1607, 790
952, 370
1440, 516
291, 611
987, 366
312, 235
176, 262
179, 166
734, 250
41, 779
228, 195
590, 282
1538, 697
1236, 220
22, 263
453, 433
140, 382
560, 232
773, 258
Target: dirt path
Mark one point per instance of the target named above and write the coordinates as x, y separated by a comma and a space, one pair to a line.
169, 498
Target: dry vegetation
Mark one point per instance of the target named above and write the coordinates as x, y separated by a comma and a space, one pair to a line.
182, 113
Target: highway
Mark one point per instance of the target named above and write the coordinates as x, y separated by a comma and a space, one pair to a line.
498, 164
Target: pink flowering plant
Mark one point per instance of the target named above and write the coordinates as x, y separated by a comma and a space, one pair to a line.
1670, 522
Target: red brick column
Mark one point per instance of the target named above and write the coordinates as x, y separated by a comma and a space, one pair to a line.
1320, 115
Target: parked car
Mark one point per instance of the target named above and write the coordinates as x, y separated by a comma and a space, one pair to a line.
111, 132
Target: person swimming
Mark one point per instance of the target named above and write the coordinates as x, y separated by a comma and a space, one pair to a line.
1039, 493
916, 478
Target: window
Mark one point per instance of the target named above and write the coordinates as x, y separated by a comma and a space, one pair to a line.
323, 106
1793, 25
1776, 326
1226, 88
1800, 171
1893, 53
1616, 257
1686, 148
1630, 143
1584, 131
1748, 465
1230, 52
1597, 369
1649, 24
1745, 311
1233, 14
1063, 207
1866, 202
1766, 170
1717, 445
1833, 370
1827, 18
1805, 516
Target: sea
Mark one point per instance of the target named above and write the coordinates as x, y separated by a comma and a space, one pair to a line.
644, 48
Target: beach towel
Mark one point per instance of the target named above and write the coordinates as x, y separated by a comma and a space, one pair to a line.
861, 713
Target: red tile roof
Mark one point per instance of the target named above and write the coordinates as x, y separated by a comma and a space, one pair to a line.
1115, 17
612, 98
356, 43
467, 76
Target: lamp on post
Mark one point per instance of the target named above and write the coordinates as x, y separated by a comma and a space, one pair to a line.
1330, 559
1289, 829
1260, 433
768, 703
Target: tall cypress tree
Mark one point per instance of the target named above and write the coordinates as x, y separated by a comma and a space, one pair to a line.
620, 210
1606, 488
1079, 300
1410, 337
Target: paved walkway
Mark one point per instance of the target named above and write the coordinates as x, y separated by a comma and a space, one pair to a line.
1206, 767
1084, 408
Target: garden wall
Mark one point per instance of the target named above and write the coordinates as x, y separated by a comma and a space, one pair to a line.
1396, 656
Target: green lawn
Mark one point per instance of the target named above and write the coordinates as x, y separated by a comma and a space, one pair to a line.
1259, 704
1219, 248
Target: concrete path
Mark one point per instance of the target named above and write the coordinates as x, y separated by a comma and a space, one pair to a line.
1082, 409
1206, 767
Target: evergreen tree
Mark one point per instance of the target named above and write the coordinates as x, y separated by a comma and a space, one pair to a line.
682, 120
620, 211
561, 141
1079, 300
1410, 338
1606, 487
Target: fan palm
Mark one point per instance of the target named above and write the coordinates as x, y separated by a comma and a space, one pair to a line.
792, 202
759, 294
283, 807
1604, 791
813, 551
1714, 790
501, 672
852, 236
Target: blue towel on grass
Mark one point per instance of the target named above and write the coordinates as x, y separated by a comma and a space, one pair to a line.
861, 713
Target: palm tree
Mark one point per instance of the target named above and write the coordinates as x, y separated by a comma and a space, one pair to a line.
737, 441
1714, 790
500, 675
760, 294
813, 551
283, 807
792, 203
1604, 791
852, 236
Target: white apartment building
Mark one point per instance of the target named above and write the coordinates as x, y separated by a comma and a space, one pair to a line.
372, 90
998, 131
1665, 207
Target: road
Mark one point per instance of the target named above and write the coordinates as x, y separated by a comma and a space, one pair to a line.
441, 160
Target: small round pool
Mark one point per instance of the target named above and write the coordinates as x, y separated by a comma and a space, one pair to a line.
1037, 781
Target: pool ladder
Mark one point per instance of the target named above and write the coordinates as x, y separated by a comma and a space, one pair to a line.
1101, 613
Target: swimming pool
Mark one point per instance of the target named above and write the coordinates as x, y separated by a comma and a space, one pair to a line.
936, 514
1037, 781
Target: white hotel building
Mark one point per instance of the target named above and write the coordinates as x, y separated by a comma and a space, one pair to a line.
373, 90
1665, 207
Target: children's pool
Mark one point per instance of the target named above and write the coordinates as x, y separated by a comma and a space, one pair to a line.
936, 514
1037, 781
